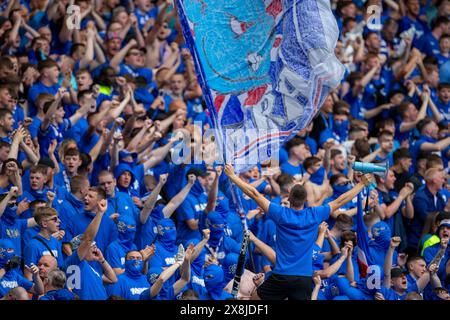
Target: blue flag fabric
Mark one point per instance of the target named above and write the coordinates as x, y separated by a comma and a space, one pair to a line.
265, 67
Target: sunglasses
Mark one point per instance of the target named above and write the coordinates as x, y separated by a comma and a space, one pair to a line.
54, 219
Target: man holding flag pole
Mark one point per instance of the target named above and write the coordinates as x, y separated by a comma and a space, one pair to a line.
296, 234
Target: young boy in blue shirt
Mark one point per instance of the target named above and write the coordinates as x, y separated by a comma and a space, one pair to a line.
43, 243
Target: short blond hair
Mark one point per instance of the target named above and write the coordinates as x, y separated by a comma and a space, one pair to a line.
431, 173
43, 213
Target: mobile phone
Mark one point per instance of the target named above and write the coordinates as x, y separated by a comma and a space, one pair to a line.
160, 92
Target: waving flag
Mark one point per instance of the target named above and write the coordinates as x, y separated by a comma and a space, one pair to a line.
265, 67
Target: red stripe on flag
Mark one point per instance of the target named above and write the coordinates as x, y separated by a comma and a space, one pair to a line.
277, 42
274, 8
218, 102
255, 95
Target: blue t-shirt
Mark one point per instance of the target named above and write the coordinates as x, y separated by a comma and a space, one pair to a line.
36, 249
33, 93
295, 171
391, 294
14, 231
191, 208
62, 294
146, 233
12, 279
90, 284
424, 203
428, 44
296, 235
34, 127
128, 288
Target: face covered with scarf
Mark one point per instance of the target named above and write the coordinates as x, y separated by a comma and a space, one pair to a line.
6, 252
229, 267
216, 224
341, 126
318, 173
134, 264
223, 206
167, 234
214, 281
127, 230
341, 186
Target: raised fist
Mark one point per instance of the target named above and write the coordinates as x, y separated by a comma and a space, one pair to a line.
163, 178
192, 178
395, 242
102, 205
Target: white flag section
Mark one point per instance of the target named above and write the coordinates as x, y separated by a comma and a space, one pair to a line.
265, 67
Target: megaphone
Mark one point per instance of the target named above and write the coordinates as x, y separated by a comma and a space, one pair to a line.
380, 169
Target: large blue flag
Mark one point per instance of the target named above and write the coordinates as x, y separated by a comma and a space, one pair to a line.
265, 67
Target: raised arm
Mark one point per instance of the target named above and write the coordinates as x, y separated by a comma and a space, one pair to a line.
151, 37
390, 210
437, 146
159, 154
81, 112
407, 126
212, 195
176, 201
247, 188
91, 231
150, 203
116, 112
89, 54
185, 271
118, 58
66, 33
265, 249
51, 111
98, 20
199, 247
371, 156
38, 287
17, 139
333, 245
163, 277
13, 192
317, 283
376, 111
350, 272
331, 270
31, 156
395, 242
323, 227
425, 278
